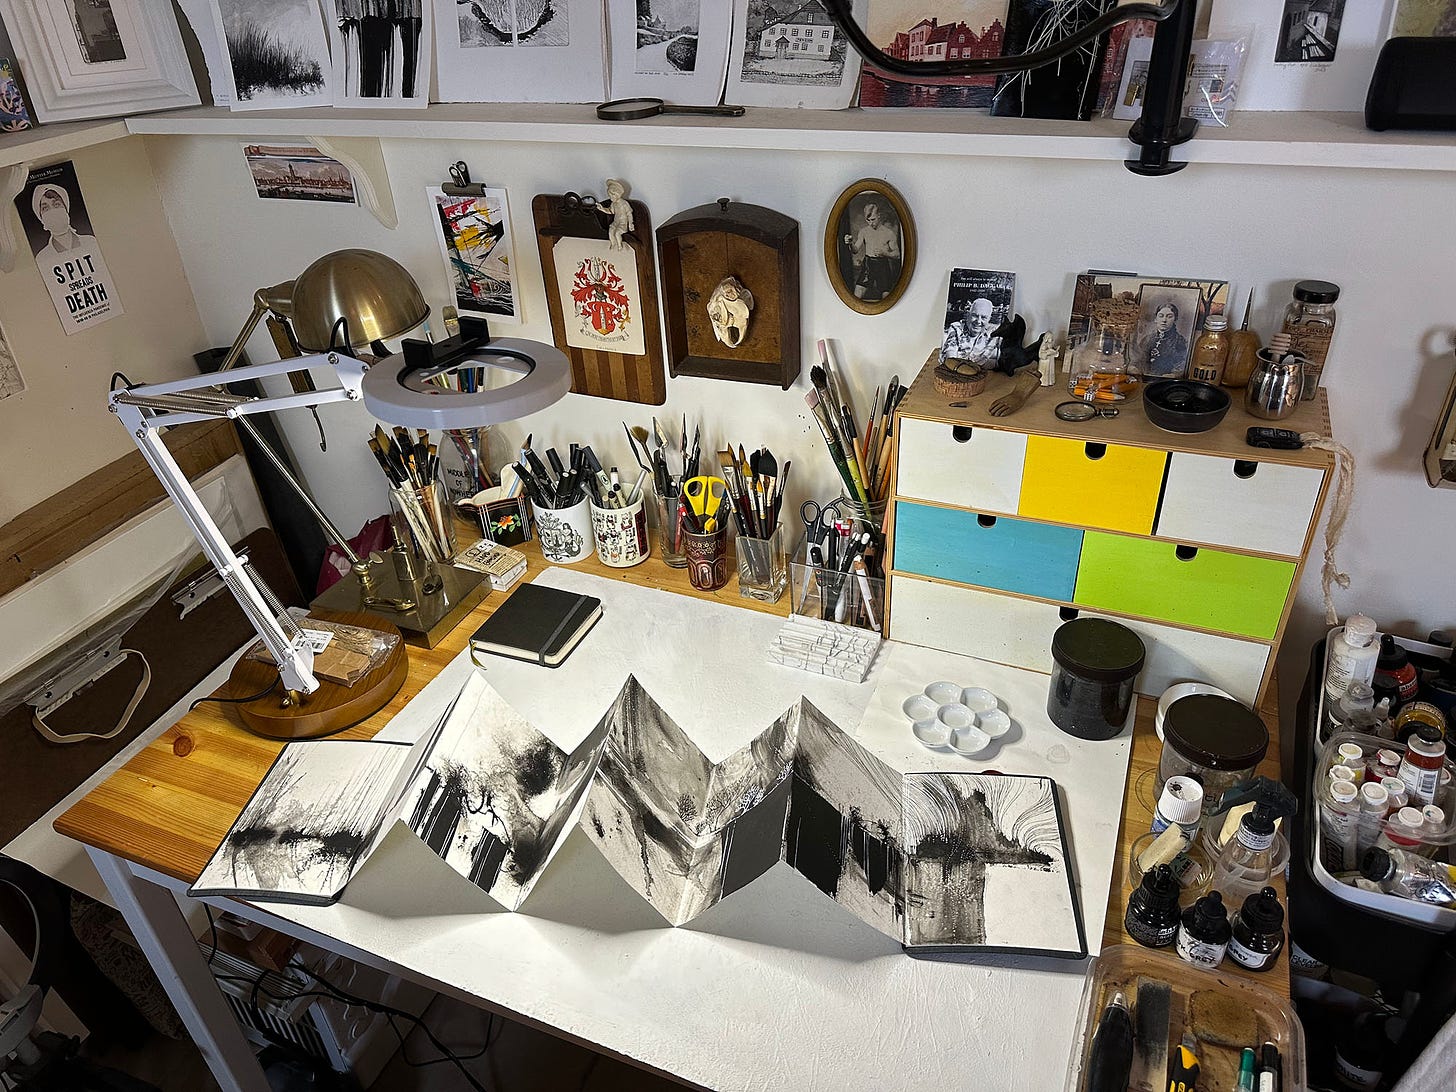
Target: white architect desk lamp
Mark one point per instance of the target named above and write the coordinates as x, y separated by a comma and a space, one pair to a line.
398, 390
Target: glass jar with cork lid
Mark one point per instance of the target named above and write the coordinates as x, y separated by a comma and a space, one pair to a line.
1309, 322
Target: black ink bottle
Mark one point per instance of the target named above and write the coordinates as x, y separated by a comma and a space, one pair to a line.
1258, 931
1203, 935
1152, 912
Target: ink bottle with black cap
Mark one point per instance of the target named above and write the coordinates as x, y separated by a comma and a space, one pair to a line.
1258, 931
1152, 912
1203, 934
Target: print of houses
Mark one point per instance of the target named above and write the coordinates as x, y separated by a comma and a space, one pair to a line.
929, 40
806, 31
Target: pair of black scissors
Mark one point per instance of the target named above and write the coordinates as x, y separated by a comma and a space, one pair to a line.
819, 520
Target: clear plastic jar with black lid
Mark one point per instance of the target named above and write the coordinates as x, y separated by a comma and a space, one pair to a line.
1217, 741
1095, 661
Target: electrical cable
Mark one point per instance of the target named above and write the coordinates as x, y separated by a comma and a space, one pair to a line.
118, 375
236, 701
590, 1069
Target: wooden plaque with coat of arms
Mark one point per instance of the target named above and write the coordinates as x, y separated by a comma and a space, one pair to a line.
603, 300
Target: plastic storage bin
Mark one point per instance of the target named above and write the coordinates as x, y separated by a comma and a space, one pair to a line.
1122, 966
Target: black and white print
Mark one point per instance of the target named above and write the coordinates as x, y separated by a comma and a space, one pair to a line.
1309, 31
667, 36
311, 824
11, 381
790, 53
1067, 89
278, 53
986, 865
96, 31
381, 52
1165, 330
67, 253
977, 302
495, 795
513, 22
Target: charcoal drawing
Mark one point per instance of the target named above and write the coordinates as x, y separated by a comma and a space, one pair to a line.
961, 830
277, 49
495, 796
380, 49
311, 823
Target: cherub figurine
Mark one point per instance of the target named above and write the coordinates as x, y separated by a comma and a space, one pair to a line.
729, 308
620, 210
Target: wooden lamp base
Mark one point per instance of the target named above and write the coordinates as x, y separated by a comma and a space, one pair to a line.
332, 707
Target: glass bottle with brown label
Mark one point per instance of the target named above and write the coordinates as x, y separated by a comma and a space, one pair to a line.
1309, 320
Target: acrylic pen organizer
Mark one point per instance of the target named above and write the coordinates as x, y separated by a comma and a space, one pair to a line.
833, 596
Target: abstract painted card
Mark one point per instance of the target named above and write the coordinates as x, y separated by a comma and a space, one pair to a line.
600, 296
495, 796
67, 252
986, 866
474, 234
14, 116
674, 50
933, 30
277, 51
520, 50
11, 381
298, 172
381, 52
789, 53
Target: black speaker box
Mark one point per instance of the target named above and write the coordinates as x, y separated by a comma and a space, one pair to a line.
1414, 85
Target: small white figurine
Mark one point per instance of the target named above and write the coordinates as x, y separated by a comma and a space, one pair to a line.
728, 310
1047, 363
621, 212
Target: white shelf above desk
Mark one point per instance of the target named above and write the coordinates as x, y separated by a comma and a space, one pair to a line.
1268, 139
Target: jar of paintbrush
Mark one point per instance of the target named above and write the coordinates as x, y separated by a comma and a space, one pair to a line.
417, 495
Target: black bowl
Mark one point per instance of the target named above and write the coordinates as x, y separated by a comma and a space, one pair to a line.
1184, 405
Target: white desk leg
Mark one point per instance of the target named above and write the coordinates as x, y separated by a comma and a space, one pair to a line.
170, 948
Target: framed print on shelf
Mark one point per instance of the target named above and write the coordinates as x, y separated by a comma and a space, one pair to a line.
869, 246
100, 58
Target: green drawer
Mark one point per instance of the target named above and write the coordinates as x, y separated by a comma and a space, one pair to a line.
1210, 589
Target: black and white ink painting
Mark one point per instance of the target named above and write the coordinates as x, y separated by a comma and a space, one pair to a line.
278, 53
667, 36
986, 865
96, 31
844, 825
314, 819
381, 52
790, 53
513, 22
495, 795
1309, 31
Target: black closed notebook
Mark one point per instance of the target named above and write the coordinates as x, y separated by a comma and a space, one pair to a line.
539, 624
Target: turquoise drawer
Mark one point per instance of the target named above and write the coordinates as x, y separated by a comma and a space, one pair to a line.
988, 551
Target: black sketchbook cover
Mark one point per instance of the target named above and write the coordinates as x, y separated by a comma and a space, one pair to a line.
538, 623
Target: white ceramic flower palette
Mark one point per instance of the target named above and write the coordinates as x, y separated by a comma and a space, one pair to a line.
947, 716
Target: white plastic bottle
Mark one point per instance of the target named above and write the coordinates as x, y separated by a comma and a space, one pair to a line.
1339, 827
1353, 651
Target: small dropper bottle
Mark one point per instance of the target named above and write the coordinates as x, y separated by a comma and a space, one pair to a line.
1203, 934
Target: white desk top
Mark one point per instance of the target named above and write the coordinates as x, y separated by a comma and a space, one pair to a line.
776, 986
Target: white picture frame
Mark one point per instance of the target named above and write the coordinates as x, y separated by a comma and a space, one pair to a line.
153, 74
564, 61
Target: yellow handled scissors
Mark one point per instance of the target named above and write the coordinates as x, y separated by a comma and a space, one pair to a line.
707, 497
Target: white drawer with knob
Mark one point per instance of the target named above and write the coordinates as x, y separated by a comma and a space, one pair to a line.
967, 467
1261, 507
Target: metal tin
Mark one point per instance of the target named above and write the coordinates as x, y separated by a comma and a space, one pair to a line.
1274, 388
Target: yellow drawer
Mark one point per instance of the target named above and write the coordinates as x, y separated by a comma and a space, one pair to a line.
1108, 486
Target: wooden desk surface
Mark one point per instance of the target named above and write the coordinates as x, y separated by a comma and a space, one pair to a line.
170, 806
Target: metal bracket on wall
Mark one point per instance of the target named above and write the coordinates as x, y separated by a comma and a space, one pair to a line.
1162, 125
12, 181
364, 156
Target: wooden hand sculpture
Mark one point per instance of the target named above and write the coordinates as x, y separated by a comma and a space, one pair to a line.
1023, 383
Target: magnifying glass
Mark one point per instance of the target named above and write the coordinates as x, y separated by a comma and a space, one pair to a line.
636, 109
1082, 411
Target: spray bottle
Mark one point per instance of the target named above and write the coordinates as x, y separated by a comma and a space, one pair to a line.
1246, 862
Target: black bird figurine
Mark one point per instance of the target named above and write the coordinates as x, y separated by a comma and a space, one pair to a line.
1014, 356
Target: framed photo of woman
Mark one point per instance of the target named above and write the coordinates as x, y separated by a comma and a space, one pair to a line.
869, 246
1167, 324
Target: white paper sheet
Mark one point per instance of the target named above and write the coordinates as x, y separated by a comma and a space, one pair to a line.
791, 59
677, 51
387, 65
278, 53
533, 51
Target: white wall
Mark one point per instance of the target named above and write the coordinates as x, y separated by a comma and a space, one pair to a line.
59, 429
1387, 237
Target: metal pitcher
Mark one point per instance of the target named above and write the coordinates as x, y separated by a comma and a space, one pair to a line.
1274, 387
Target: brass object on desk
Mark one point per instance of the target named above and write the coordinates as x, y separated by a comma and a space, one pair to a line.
439, 597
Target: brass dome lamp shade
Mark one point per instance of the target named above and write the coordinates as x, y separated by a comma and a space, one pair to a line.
373, 293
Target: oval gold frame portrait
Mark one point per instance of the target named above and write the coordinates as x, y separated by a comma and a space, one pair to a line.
834, 247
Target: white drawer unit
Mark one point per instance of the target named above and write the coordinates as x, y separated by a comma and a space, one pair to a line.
1275, 503
1010, 630
981, 471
